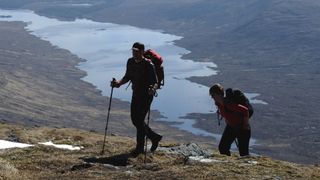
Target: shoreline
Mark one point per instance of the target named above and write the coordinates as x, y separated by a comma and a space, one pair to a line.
87, 112
93, 74
272, 125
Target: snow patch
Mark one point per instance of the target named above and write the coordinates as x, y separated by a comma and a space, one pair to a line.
203, 159
8, 144
61, 146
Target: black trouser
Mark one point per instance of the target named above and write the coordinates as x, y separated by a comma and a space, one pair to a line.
229, 135
140, 105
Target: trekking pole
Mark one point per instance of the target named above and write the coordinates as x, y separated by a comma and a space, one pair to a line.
146, 138
106, 129
219, 116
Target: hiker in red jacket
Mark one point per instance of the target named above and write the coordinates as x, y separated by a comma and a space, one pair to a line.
237, 119
140, 71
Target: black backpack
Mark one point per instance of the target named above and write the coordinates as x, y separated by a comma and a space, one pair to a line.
238, 97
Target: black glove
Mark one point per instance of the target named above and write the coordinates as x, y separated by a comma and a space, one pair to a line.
114, 83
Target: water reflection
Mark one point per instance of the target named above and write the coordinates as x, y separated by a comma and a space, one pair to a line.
106, 47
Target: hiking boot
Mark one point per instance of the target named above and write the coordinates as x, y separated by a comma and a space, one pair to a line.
155, 143
136, 153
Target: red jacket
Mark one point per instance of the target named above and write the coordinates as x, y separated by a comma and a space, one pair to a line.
234, 114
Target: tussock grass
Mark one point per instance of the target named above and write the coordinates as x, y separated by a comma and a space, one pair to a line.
46, 162
7, 171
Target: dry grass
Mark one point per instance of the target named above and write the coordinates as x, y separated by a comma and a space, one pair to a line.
7, 170
45, 162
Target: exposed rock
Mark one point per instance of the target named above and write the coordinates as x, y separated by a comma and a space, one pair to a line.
186, 150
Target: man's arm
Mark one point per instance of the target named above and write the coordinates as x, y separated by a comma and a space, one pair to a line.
125, 78
244, 111
152, 77
117, 84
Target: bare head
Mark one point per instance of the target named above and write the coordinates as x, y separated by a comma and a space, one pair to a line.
216, 89
217, 92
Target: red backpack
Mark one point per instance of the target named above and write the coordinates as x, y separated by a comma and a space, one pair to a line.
157, 61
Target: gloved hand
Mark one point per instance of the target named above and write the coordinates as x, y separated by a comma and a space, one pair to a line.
115, 83
151, 91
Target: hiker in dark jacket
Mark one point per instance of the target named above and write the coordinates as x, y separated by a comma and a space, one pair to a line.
140, 71
237, 119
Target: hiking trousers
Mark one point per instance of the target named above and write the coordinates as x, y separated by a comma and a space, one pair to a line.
228, 137
140, 105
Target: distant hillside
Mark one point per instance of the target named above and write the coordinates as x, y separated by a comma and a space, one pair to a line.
48, 162
267, 47
41, 86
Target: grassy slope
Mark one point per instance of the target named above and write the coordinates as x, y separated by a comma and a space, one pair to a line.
45, 162
269, 47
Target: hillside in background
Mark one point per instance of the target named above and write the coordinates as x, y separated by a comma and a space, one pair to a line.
41, 86
171, 161
266, 47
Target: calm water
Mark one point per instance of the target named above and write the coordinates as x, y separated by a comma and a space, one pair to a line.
106, 47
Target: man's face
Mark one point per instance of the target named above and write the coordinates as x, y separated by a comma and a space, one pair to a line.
137, 54
217, 98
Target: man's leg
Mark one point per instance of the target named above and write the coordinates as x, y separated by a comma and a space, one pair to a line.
227, 139
244, 139
153, 136
138, 121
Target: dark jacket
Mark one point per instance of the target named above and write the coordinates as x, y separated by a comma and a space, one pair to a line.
142, 75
